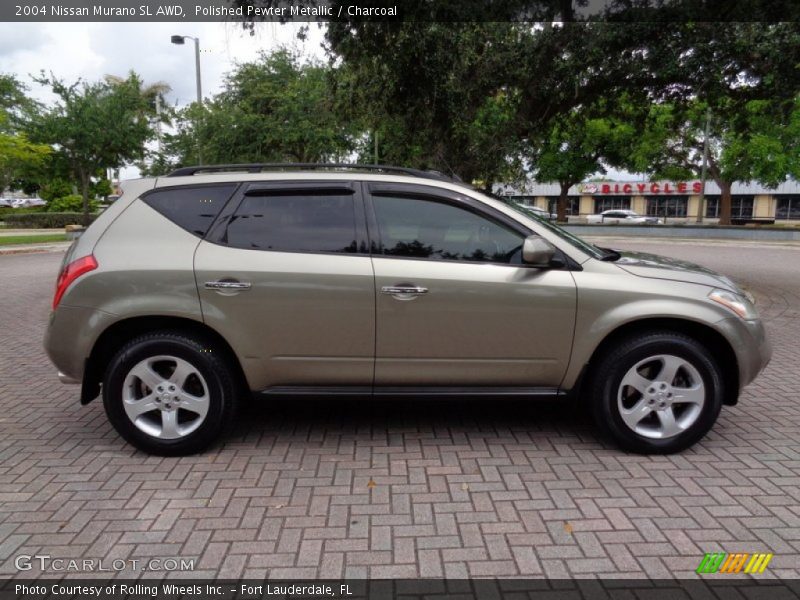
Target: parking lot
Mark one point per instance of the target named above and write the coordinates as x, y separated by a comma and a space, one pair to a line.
360, 488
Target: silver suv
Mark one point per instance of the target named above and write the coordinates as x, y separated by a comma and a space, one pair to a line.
194, 290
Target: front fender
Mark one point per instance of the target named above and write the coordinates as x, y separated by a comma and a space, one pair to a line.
603, 309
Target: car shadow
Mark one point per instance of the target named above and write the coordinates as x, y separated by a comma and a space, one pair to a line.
317, 418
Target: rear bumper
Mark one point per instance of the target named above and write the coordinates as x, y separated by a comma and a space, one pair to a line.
69, 338
64, 378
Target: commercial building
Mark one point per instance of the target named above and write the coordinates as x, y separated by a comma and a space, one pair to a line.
677, 201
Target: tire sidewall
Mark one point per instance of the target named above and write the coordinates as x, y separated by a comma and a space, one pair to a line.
617, 365
198, 357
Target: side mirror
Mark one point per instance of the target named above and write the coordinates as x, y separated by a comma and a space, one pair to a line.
537, 252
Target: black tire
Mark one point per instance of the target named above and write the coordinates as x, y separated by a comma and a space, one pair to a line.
212, 364
607, 375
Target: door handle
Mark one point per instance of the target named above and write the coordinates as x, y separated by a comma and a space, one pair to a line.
404, 292
228, 285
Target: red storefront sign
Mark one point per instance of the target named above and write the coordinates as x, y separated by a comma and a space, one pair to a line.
652, 188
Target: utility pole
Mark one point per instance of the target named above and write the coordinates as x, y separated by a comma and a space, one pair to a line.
158, 122
375, 161
704, 168
180, 40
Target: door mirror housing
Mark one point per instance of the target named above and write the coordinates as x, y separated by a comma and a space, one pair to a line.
537, 252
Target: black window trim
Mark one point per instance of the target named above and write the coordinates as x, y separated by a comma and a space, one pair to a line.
235, 186
216, 233
453, 198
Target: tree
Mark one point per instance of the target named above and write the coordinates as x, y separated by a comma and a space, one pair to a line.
423, 82
94, 127
759, 141
19, 157
440, 95
576, 145
276, 108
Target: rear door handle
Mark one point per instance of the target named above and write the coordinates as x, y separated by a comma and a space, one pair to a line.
228, 285
404, 292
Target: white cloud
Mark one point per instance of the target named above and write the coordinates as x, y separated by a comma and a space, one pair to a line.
92, 50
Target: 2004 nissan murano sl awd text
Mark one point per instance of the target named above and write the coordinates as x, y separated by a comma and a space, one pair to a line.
198, 288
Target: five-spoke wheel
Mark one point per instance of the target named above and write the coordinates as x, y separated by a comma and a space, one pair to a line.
170, 393
661, 396
658, 392
166, 397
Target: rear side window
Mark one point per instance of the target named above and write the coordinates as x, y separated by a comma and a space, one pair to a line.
193, 208
295, 222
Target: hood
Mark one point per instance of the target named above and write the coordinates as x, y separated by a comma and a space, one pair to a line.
643, 264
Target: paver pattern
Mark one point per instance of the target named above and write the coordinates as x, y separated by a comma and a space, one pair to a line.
360, 488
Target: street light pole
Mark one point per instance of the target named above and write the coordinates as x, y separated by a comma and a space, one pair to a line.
704, 168
197, 70
180, 40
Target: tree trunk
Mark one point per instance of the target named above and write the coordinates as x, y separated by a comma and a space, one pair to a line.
85, 193
724, 202
561, 209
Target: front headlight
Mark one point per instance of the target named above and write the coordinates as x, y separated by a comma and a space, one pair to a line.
740, 305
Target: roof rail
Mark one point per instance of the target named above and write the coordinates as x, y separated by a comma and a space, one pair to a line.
260, 167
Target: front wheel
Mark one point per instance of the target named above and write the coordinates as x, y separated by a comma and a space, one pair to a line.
169, 393
657, 393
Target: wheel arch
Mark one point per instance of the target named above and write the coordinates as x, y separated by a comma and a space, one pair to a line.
120, 332
709, 337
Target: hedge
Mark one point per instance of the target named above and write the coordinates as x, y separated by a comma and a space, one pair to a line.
44, 220
7, 210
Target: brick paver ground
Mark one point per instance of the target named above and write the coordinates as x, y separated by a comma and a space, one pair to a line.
339, 488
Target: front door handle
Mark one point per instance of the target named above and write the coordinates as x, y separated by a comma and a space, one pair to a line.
227, 285
404, 292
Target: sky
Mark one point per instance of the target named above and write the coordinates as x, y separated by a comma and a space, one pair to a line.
92, 50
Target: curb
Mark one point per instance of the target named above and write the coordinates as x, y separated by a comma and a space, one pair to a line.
35, 248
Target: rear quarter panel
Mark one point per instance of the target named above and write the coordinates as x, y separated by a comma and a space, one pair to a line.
145, 268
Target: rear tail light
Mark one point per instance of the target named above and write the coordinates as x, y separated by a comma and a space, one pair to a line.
69, 273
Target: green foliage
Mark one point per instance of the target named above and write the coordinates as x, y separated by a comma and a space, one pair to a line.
440, 95
94, 126
8, 210
70, 203
102, 187
55, 188
755, 141
45, 220
12, 240
15, 105
19, 157
274, 109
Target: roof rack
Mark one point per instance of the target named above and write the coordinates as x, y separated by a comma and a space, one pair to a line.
261, 167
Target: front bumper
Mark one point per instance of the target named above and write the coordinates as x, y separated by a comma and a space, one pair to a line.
750, 344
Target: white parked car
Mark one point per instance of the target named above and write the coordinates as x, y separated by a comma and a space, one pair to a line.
5, 202
27, 202
622, 216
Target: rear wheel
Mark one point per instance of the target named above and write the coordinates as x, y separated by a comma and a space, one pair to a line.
169, 393
657, 393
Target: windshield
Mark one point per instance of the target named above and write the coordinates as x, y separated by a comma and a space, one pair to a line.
565, 235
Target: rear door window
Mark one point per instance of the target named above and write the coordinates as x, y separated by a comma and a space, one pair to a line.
193, 208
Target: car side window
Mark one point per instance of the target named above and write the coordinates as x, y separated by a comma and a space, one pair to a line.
425, 228
192, 208
295, 222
